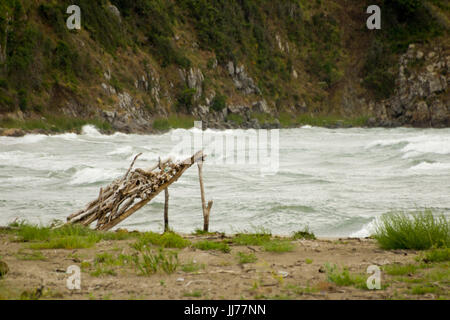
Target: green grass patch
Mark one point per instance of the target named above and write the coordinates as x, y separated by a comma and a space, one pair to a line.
262, 117
103, 271
165, 240
437, 255
244, 258
64, 237
68, 242
420, 230
193, 294
212, 245
278, 246
148, 261
304, 234
251, 239
300, 290
111, 260
30, 256
161, 124
192, 267
178, 121
400, 270
201, 232
424, 289
343, 277
236, 118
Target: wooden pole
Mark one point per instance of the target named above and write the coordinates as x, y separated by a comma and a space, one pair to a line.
166, 210
206, 208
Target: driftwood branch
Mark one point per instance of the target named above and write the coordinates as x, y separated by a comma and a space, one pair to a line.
126, 195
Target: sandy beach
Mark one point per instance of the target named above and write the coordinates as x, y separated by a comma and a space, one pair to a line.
245, 272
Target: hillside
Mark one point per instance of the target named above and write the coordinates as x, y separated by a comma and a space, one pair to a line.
145, 66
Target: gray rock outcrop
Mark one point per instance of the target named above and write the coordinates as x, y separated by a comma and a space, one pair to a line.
421, 98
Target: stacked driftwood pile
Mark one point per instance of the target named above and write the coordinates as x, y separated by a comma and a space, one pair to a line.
126, 195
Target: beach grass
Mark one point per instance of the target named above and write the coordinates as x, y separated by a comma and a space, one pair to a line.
252, 239
192, 267
437, 255
149, 261
278, 246
343, 277
30, 256
400, 270
63, 237
244, 258
165, 240
305, 234
212, 245
174, 122
420, 230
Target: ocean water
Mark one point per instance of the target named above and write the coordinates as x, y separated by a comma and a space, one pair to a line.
336, 181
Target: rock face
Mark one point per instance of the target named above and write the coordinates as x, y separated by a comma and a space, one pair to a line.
241, 80
12, 132
421, 98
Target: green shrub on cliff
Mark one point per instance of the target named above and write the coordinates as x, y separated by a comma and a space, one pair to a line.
219, 102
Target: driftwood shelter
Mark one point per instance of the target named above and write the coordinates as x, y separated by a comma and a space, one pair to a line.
126, 195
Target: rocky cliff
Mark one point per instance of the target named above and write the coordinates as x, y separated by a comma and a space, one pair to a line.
144, 66
421, 97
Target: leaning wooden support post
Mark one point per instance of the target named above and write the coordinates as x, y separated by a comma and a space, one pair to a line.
206, 208
166, 210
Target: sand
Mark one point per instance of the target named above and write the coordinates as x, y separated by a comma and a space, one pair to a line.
299, 274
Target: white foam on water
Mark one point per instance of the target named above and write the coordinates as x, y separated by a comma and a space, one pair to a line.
424, 166
90, 130
147, 156
67, 136
438, 145
93, 175
121, 151
367, 230
27, 139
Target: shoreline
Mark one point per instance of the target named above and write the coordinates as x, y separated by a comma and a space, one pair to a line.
19, 132
279, 268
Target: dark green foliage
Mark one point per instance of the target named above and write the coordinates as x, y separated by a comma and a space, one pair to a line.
166, 53
65, 57
185, 100
53, 15
219, 102
379, 76
405, 8
325, 50
403, 22
23, 102
155, 19
304, 234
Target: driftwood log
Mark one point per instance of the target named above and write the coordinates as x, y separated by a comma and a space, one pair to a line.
126, 195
